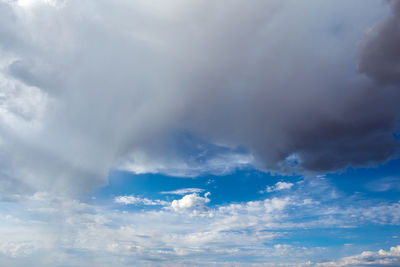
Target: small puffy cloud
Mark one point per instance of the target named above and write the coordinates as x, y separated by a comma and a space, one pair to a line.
369, 258
278, 187
189, 202
132, 200
183, 191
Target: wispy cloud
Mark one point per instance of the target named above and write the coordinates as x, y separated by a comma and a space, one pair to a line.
385, 184
368, 258
180, 231
132, 200
183, 191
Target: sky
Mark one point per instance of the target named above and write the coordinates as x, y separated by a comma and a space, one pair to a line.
200, 133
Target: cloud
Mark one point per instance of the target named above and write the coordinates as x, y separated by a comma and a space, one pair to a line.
380, 57
369, 258
384, 184
183, 191
132, 200
44, 229
186, 89
273, 85
221, 161
279, 186
190, 202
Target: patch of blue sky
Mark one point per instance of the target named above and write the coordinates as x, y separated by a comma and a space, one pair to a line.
352, 188
240, 186
381, 182
194, 148
343, 192
245, 183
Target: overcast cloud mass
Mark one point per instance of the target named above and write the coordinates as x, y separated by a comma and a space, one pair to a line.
194, 88
90, 86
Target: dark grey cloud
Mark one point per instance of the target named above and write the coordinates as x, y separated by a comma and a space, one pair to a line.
303, 101
91, 86
380, 54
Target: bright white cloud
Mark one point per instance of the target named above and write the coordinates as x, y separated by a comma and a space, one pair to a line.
279, 186
189, 202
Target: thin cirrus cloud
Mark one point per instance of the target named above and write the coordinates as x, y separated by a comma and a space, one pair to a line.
384, 184
183, 191
113, 85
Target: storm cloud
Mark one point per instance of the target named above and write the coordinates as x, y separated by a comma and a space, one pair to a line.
380, 55
90, 86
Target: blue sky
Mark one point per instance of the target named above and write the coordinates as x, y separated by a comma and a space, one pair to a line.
199, 133
331, 216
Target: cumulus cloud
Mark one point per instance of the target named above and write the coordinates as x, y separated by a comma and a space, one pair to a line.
189, 202
279, 186
272, 84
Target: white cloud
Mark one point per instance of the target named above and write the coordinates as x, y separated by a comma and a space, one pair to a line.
224, 163
385, 184
132, 200
189, 202
279, 186
276, 204
369, 258
183, 191
181, 232
22, 107
31, 3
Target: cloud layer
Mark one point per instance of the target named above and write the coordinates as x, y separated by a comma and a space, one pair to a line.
189, 230
389, 258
